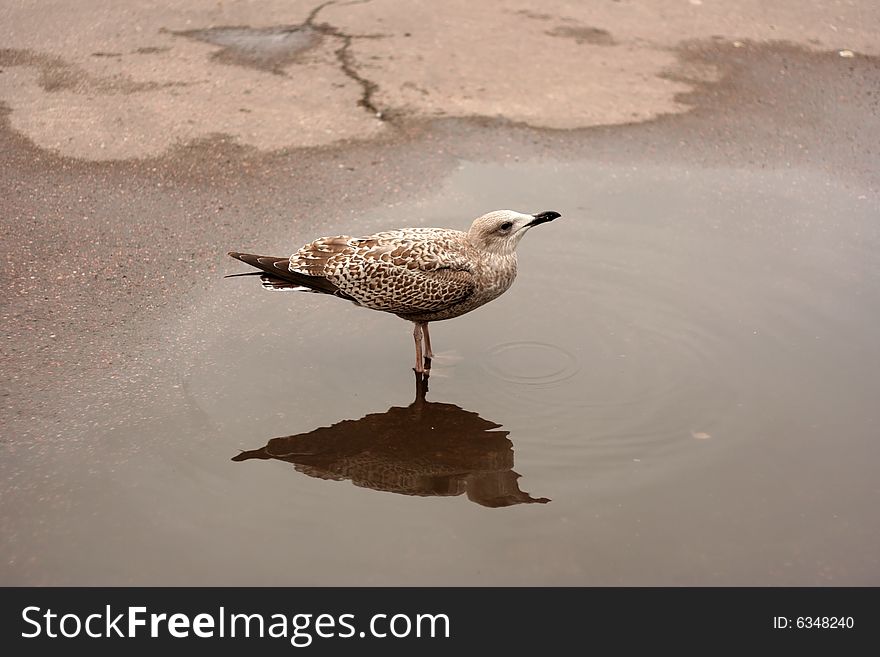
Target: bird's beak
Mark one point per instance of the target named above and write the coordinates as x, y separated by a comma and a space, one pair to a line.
543, 217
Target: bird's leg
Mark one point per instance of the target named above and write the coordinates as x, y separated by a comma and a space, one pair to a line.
423, 326
417, 336
429, 354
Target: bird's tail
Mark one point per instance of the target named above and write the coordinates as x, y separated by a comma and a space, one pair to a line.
276, 275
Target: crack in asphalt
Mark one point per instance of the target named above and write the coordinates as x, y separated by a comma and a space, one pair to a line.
272, 48
347, 62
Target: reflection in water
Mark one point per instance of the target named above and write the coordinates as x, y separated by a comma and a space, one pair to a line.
424, 449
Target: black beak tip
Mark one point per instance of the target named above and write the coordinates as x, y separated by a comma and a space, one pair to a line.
542, 217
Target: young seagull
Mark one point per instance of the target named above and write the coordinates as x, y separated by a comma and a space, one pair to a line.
419, 274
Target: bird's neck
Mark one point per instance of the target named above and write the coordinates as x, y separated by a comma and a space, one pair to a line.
492, 248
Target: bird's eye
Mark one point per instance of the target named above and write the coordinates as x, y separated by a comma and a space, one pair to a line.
506, 225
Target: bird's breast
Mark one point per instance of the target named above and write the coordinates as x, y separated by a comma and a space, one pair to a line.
495, 274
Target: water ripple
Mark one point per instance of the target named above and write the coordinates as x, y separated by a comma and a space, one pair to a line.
531, 363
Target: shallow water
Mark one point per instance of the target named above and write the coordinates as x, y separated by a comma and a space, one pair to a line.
680, 388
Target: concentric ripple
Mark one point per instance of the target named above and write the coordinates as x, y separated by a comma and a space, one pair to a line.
530, 363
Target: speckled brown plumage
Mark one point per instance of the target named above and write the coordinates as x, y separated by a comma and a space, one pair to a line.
419, 274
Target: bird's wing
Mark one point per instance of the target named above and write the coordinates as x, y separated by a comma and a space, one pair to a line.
402, 272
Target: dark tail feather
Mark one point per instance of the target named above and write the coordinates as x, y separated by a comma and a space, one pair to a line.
246, 273
275, 283
278, 268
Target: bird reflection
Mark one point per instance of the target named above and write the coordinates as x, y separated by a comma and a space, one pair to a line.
424, 449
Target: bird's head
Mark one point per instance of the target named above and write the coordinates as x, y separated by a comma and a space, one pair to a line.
500, 231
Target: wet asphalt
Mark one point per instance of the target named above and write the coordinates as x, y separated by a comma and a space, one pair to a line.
100, 259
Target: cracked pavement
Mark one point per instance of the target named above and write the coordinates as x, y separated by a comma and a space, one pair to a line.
95, 80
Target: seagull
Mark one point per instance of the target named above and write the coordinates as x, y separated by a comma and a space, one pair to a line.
419, 274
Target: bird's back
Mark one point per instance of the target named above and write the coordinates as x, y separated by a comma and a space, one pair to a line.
422, 249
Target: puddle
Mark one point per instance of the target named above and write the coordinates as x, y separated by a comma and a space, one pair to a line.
269, 48
684, 370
